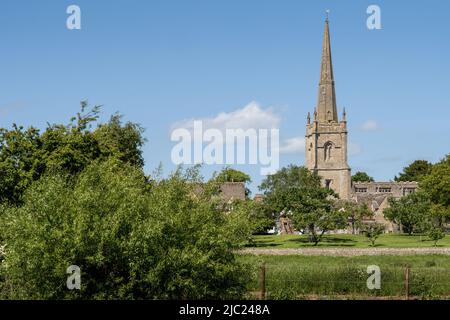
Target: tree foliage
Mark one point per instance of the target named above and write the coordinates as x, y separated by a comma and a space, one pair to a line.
437, 183
415, 171
411, 212
260, 219
27, 154
232, 175
131, 239
372, 231
362, 177
298, 191
356, 213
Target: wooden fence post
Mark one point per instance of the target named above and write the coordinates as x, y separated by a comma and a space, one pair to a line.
407, 276
262, 281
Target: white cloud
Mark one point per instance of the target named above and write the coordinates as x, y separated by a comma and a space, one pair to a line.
293, 145
370, 125
252, 116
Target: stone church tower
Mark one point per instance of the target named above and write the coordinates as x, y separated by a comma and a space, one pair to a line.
326, 136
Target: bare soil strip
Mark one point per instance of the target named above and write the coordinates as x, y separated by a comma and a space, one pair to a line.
347, 252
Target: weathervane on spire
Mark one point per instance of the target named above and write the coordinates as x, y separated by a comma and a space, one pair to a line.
327, 13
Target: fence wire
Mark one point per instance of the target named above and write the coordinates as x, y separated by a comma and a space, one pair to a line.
279, 282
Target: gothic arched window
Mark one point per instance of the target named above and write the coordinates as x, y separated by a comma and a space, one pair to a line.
327, 150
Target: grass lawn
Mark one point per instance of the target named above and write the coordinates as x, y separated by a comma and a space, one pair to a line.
347, 241
320, 277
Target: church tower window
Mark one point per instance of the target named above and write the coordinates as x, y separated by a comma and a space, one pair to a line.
327, 151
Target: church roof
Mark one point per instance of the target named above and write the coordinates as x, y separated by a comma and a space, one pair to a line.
373, 201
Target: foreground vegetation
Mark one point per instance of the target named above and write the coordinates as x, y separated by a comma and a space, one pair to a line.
347, 241
76, 195
318, 277
131, 239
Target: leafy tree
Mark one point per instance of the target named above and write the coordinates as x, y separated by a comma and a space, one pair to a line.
435, 223
261, 220
437, 183
120, 140
373, 231
436, 234
130, 240
232, 175
362, 177
355, 212
410, 211
27, 154
298, 190
415, 171
21, 161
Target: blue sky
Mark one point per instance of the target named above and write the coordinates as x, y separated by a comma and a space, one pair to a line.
162, 62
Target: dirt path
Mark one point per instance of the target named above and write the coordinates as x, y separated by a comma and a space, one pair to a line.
347, 252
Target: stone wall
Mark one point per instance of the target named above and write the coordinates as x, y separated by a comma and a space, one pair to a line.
394, 189
376, 194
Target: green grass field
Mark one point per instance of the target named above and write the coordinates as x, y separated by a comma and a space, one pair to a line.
320, 277
347, 241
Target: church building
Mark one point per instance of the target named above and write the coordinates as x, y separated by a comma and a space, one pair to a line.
327, 148
326, 135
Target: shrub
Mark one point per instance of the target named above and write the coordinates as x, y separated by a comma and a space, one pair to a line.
131, 239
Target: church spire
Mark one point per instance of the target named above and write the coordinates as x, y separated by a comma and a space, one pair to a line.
326, 105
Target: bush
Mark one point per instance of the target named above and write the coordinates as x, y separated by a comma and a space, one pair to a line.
131, 239
372, 232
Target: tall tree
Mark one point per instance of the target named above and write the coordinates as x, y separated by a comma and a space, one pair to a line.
298, 191
437, 183
415, 171
26, 154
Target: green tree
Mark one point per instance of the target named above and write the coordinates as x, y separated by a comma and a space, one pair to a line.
372, 232
410, 212
130, 241
436, 234
27, 154
415, 171
120, 140
435, 223
260, 219
298, 190
437, 183
232, 175
362, 177
356, 213
21, 161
